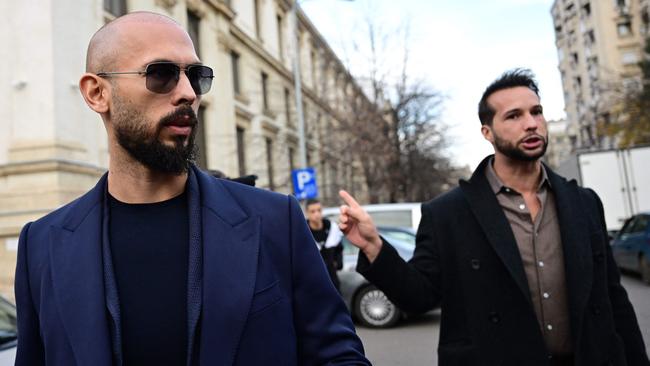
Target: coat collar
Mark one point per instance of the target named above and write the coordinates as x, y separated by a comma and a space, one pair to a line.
574, 232
77, 278
495, 225
222, 234
231, 244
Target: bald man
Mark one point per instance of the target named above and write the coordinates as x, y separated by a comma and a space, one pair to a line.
160, 263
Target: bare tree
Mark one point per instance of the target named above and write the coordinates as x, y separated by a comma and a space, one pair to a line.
632, 115
395, 129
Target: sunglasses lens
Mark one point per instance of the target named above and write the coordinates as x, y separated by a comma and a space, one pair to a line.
162, 77
200, 77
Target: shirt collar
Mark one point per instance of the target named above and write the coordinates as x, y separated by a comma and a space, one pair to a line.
497, 185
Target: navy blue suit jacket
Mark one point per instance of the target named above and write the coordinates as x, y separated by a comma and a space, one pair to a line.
258, 292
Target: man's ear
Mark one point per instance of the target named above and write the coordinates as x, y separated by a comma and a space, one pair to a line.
487, 133
95, 92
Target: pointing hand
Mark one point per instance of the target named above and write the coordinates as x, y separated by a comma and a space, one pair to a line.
358, 227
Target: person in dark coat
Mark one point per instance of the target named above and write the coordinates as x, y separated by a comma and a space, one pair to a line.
517, 257
328, 239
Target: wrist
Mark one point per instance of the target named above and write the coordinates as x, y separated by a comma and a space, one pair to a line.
372, 249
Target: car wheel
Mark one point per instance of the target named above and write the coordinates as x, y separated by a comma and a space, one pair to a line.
373, 309
644, 268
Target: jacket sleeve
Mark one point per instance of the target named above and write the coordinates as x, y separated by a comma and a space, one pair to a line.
30, 346
324, 328
413, 286
625, 319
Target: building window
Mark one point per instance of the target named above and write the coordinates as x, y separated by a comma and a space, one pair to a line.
280, 37
624, 29
258, 19
629, 58
269, 162
287, 108
201, 146
292, 161
241, 150
193, 22
234, 60
265, 89
313, 69
115, 7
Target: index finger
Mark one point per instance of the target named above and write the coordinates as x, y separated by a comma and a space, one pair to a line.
348, 199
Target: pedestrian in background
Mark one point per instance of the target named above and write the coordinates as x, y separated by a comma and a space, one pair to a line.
328, 239
517, 257
161, 263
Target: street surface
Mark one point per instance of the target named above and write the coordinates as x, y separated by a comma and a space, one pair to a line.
414, 341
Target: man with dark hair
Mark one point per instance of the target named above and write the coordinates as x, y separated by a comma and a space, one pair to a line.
517, 257
328, 239
161, 263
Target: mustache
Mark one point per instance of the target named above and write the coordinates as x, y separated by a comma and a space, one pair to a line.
185, 115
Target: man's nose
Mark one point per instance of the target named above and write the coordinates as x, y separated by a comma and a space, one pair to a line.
184, 93
531, 122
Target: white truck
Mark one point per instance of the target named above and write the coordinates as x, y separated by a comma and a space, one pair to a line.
621, 177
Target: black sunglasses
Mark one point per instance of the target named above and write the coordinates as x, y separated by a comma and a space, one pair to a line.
162, 77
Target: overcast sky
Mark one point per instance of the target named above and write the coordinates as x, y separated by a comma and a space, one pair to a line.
459, 47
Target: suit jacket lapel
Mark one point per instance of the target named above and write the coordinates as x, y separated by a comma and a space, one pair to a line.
575, 243
77, 277
195, 265
231, 239
495, 225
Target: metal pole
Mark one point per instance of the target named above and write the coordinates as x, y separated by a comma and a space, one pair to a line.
298, 86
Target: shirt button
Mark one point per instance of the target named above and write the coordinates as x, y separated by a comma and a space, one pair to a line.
522, 207
549, 327
540, 263
546, 295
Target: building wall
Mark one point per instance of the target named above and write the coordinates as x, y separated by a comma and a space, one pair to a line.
596, 58
559, 146
55, 148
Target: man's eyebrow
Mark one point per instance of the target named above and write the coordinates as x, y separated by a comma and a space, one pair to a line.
509, 111
197, 62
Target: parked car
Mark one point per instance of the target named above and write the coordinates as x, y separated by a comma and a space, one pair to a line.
367, 303
8, 333
631, 247
386, 214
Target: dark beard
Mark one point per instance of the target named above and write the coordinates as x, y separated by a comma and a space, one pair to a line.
146, 147
513, 152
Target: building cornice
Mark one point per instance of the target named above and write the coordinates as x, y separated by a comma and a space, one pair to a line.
50, 165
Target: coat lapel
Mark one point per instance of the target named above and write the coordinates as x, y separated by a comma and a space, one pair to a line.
490, 216
231, 239
77, 276
575, 243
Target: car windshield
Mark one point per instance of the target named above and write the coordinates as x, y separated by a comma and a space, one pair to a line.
7, 323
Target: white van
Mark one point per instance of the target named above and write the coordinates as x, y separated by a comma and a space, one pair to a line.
386, 214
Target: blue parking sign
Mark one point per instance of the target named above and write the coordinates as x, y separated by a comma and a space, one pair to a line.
304, 183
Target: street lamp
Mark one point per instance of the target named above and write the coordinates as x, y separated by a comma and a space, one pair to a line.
298, 85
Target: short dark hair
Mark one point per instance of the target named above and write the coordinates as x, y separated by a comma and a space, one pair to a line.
311, 201
509, 79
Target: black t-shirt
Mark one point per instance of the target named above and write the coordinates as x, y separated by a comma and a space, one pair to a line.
149, 248
320, 236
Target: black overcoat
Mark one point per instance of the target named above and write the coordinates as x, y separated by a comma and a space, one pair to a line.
467, 262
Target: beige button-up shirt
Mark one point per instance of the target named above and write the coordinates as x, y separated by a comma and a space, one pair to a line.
540, 247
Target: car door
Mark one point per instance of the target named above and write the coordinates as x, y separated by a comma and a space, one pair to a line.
638, 239
622, 246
